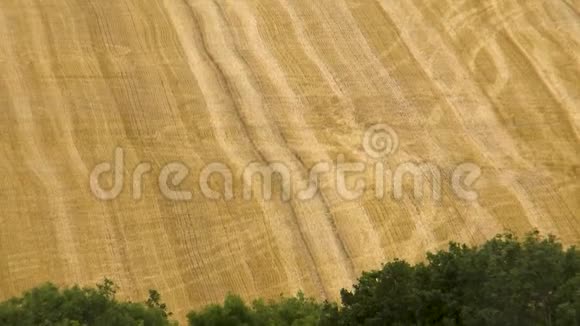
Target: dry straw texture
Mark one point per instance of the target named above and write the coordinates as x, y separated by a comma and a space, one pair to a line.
495, 83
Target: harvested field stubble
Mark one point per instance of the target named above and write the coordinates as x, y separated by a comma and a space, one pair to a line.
495, 83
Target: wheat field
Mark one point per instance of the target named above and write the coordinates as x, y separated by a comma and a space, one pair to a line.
495, 83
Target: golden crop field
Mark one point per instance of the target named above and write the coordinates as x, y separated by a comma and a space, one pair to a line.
219, 85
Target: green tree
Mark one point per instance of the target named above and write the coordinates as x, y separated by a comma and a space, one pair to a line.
233, 312
49, 305
154, 302
293, 311
506, 281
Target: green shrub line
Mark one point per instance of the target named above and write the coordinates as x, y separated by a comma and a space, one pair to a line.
505, 281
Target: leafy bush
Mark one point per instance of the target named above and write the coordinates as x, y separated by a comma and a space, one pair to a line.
294, 311
75, 306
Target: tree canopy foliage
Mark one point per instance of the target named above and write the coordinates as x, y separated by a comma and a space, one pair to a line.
48, 305
505, 281
284, 312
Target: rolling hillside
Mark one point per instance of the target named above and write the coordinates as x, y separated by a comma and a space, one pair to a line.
297, 82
